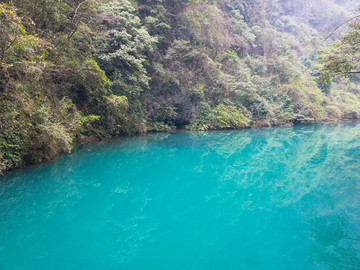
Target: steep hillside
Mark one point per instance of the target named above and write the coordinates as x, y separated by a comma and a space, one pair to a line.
75, 70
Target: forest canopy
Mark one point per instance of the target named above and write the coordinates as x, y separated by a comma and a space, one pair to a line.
73, 71
342, 58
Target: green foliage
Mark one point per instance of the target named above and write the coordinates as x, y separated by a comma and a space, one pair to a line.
342, 58
38, 120
221, 117
122, 43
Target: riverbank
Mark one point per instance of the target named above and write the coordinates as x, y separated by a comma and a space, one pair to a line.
96, 140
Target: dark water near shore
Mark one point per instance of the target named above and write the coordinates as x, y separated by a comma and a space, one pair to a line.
278, 198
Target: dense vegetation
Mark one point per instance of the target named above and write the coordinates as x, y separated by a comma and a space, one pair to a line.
74, 70
342, 58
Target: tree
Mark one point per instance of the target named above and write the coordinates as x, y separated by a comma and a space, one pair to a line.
122, 45
342, 58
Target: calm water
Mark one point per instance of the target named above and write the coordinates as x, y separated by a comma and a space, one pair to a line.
279, 198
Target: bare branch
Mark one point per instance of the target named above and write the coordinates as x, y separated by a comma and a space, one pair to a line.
77, 9
337, 27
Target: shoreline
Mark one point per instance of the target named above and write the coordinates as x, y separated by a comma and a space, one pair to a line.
94, 140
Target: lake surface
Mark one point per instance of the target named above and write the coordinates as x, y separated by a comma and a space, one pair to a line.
278, 198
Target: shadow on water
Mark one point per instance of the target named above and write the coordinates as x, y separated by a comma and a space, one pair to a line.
279, 198
334, 246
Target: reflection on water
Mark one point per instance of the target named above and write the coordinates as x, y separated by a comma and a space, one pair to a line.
334, 246
278, 198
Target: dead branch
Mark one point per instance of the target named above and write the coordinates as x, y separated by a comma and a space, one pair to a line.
337, 28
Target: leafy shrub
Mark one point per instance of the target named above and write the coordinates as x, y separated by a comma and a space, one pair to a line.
221, 117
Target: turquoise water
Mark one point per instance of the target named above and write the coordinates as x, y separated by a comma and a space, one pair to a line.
279, 198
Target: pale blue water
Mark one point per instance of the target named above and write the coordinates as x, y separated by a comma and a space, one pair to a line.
279, 198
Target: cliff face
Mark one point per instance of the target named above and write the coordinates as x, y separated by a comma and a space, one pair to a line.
71, 70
